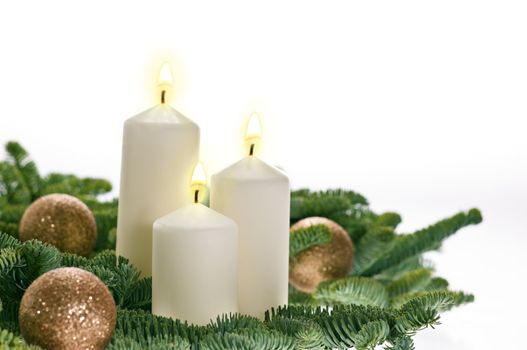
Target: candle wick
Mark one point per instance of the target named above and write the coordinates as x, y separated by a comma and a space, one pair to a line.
163, 92
251, 150
196, 196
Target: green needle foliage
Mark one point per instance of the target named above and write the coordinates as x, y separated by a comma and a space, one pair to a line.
390, 294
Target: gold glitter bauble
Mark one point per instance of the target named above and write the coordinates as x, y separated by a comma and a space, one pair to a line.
61, 220
67, 308
322, 262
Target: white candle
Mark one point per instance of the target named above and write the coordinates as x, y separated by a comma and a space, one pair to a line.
256, 196
160, 149
195, 264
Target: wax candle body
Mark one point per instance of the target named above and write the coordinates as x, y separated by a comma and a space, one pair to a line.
256, 196
195, 265
160, 149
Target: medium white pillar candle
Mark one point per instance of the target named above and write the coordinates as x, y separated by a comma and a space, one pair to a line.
160, 149
195, 265
256, 196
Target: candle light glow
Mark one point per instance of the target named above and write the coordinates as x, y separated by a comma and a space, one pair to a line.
253, 133
165, 83
198, 182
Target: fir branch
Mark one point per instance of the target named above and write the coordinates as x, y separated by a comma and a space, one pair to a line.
351, 290
437, 283
402, 343
329, 203
297, 297
10, 341
307, 237
430, 238
372, 247
227, 341
394, 272
266, 339
372, 334
122, 342
7, 241
9, 227
40, 258
86, 188
423, 309
11, 189
26, 169
389, 219
412, 281
140, 325
308, 334
343, 326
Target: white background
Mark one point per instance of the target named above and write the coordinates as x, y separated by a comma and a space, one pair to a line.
419, 105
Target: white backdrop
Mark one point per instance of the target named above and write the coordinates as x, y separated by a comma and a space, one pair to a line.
419, 105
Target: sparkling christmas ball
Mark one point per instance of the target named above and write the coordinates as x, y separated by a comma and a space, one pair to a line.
67, 308
61, 220
322, 262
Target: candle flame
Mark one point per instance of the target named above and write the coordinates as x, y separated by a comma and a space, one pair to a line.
253, 133
198, 182
198, 176
165, 74
165, 83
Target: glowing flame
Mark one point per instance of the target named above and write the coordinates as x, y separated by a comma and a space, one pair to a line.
254, 130
198, 182
165, 83
253, 133
165, 74
198, 176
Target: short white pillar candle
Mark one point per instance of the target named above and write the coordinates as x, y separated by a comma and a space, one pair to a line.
195, 264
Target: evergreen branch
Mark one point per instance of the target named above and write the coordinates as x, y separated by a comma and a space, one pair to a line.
266, 339
437, 283
88, 188
10, 341
11, 189
297, 297
413, 281
26, 168
227, 341
307, 237
106, 220
308, 334
430, 238
329, 203
342, 328
12, 213
8, 241
372, 247
122, 342
140, 325
372, 334
394, 272
423, 309
231, 323
351, 290
140, 296
40, 258
389, 219
402, 343
9, 227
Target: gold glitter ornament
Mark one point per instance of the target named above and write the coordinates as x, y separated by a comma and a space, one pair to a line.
322, 262
68, 308
61, 220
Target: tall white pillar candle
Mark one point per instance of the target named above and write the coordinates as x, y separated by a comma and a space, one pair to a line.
160, 149
195, 265
256, 196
